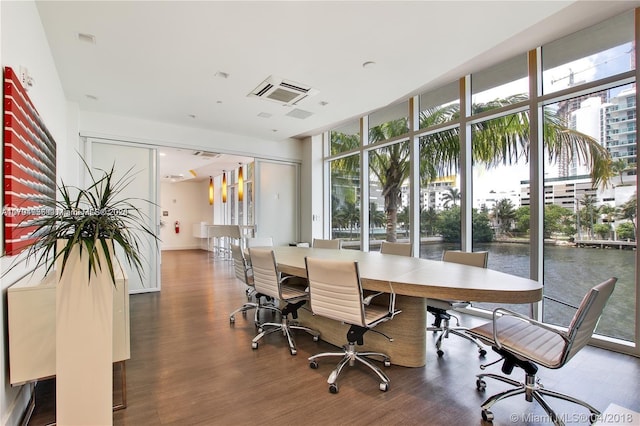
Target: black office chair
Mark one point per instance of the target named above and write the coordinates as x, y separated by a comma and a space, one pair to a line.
440, 308
526, 343
336, 293
270, 282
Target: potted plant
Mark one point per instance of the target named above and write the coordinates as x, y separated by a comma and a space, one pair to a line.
77, 237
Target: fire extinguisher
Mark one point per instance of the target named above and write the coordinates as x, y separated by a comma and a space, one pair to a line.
176, 226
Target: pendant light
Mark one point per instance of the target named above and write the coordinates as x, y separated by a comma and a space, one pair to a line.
224, 187
210, 191
240, 184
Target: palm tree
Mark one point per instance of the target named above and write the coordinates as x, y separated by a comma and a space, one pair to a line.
376, 217
451, 196
503, 140
618, 167
349, 215
628, 211
504, 213
589, 203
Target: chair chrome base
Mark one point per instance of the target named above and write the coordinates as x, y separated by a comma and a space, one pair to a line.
350, 356
253, 305
285, 326
442, 325
532, 390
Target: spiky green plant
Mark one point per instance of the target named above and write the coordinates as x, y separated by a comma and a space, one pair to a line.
91, 218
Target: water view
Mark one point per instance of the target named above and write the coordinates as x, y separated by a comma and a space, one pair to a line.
568, 274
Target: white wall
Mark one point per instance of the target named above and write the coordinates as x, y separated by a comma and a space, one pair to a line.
158, 133
188, 203
23, 43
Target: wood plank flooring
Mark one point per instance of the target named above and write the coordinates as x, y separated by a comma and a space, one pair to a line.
189, 366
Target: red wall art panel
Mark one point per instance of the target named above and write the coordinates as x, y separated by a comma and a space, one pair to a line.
29, 162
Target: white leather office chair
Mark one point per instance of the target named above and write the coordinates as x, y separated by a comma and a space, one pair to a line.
439, 308
244, 273
526, 343
270, 282
399, 249
336, 293
328, 244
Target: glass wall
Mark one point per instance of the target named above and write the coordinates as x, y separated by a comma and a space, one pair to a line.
582, 158
388, 194
345, 200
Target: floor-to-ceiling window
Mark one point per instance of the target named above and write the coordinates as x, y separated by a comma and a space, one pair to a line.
589, 214
548, 136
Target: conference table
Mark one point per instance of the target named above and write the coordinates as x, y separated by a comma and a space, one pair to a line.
413, 281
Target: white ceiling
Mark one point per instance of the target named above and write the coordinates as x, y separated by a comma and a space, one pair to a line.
158, 60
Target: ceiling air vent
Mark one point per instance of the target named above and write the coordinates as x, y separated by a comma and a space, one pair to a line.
205, 154
282, 91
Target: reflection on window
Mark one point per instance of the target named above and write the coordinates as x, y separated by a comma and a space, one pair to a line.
581, 215
345, 138
439, 194
345, 200
440, 106
503, 84
604, 50
389, 194
389, 122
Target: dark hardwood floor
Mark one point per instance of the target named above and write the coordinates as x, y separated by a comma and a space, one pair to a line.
189, 366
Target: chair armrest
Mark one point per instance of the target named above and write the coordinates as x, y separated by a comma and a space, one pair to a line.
499, 312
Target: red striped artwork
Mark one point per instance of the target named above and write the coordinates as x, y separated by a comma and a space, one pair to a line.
29, 161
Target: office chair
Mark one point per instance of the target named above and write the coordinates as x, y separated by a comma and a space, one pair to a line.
526, 343
244, 273
270, 282
328, 244
400, 249
336, 293
439, 307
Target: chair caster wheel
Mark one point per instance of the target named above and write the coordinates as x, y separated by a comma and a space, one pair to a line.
260, 330
440, 353
333, 388
313, 365
482, 353
384, 387
481, 385
293, 351
487, 416
316, 338
232, 319
254, 345
387, 363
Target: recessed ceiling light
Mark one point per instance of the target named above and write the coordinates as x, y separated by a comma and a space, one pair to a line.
221, 74
324, 103
192, 115
264, 115
92, 97
368, 64
87, 38
218, 102
274, 130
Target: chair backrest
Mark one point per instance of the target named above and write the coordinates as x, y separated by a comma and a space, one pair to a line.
259, 242
476, 258
586, 318
240, 265
400, 249
328, 244
266, 278
335, 290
